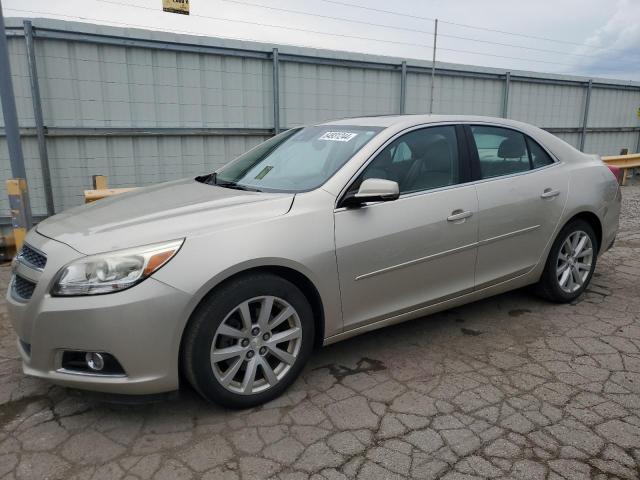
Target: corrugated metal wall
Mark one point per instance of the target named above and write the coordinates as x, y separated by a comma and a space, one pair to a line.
469, 96
131, 161
106, 93
551, 106
313, 93
88, 85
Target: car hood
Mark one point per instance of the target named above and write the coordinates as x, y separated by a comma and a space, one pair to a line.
162, 212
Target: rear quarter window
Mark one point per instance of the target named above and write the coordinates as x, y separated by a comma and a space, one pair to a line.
539, 158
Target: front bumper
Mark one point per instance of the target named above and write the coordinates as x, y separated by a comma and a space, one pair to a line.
141, 327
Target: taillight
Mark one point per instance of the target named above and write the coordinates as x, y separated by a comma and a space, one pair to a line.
617, 172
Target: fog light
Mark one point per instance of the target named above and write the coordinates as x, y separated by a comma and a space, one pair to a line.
94, 361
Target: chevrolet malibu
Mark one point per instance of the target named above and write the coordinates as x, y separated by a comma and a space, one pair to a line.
229, 280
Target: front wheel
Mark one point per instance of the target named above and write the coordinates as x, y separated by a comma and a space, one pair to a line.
571, 263
248, 341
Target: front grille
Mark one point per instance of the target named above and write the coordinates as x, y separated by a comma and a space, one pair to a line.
23, 288
32, 257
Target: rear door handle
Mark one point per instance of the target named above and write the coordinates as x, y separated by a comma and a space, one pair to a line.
458, 215
548, 193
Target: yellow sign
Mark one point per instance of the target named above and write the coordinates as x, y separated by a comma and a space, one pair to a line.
176, 6
638, 112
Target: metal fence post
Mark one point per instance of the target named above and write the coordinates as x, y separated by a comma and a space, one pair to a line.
276, 93
16, 187
585, 119
9, 107
403, 87
505, 98
37, 114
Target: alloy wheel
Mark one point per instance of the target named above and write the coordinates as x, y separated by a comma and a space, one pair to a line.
256, 344
574, 261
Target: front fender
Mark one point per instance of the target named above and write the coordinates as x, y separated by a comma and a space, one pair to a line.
301, 240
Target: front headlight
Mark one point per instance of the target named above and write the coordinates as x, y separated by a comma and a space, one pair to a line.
114, 271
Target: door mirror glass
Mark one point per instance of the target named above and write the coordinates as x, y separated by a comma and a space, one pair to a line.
373, 190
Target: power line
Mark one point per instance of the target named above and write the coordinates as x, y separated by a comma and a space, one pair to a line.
501, 56
217, 19
78, 17
379, 10
418, 17
150, 27
272, 26
533, 37
342, 35
513, 46
259, 24
300, 12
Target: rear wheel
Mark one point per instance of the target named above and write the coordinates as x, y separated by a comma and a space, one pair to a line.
571, 263
248, 341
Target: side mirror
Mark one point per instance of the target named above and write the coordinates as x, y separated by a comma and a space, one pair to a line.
372, 190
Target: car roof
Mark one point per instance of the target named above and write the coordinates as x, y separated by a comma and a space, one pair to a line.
420, 119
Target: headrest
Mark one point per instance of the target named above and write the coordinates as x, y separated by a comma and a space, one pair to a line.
512, 147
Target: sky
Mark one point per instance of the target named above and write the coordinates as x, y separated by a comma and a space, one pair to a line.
596, 38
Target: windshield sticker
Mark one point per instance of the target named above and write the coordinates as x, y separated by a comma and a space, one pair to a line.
263, 172
338, 136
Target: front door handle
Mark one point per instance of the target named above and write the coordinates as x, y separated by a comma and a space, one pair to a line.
548, 193
458, 215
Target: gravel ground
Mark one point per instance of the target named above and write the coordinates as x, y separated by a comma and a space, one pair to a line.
509, 387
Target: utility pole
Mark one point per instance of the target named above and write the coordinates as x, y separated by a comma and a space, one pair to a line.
433, 64
17, 186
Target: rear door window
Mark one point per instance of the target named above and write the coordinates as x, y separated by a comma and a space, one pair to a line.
502, 151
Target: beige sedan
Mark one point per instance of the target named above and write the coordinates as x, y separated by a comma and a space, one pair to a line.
316, 235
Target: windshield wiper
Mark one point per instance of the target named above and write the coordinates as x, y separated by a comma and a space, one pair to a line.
212, 179
236, 186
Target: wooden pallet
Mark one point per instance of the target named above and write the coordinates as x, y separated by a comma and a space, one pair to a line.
101, 190
93, 195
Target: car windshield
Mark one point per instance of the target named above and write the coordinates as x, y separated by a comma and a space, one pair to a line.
295, 161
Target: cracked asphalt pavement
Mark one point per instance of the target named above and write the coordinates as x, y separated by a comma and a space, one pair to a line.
509, 387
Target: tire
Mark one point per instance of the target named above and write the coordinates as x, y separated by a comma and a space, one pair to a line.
565, 257
215, 354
